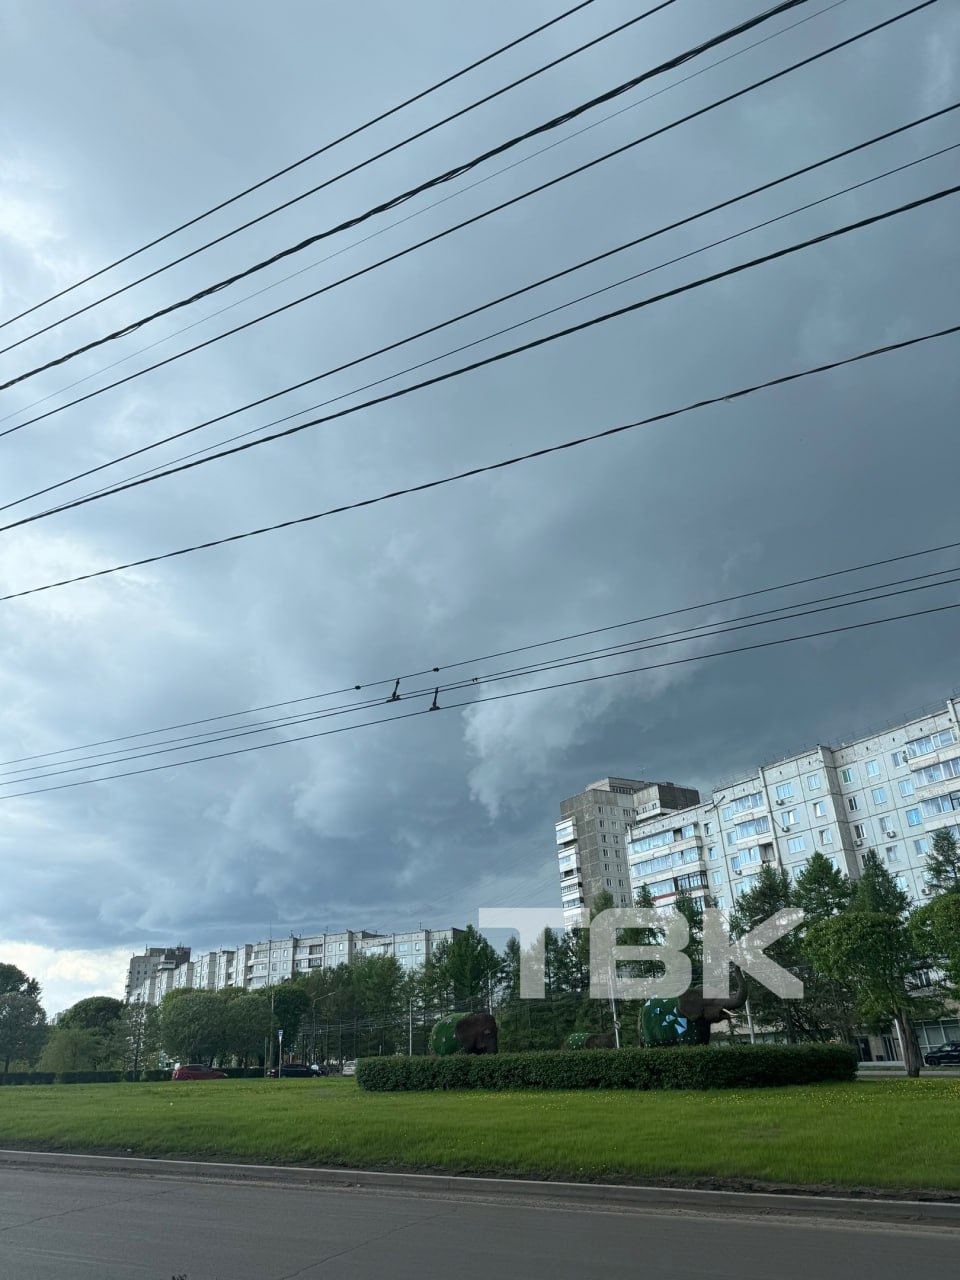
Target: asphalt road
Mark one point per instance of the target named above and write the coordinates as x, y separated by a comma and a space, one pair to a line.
86, 1226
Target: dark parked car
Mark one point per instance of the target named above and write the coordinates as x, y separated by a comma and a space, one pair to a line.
943, 1054
296, 1070
194, 1071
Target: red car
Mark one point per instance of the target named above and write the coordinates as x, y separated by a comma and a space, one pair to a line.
192, 1071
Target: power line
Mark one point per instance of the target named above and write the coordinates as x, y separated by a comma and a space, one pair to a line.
515, 293
418, 213
345, 137
345, 173
825, 604
500, 697
386, 682
448, 175
459, 226
496, 466
456, 373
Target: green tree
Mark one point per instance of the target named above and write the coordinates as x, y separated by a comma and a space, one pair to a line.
23, 1024
935, 929
14, 981
192, 1025
771, 893
140, 1035
874, 954
72, 1049
378, 983
246, 1024
472, 968
943, 863
877, 892
289, 1002
821, 890
96, 1013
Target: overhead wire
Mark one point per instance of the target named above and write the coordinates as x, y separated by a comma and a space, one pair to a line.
476, 218
544, 451
509, 296
289, 168
499, 697
418, 213
684, 635
429, 184
456, 115
531, 345
387, 681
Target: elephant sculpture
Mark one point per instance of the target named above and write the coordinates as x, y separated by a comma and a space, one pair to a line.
687, 1019
464, 1033
590, 1040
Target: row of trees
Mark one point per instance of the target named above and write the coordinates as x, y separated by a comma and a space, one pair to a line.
868, 961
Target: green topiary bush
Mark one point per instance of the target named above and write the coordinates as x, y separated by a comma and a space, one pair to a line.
701, 1067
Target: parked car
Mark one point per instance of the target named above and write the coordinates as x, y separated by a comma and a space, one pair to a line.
296, 1071
349, 1068
195, 1071
944, 1053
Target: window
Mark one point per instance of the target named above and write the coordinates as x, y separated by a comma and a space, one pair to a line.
938, 772
609, 884
790, 817
741, 805
913, 818
712, 853
814, 781
922, 846
717, 877
906, 787
599, 808
859, 831
620, 883
893, 853
606, 866
901, 882
753, 827
898, 758
819, 809
873, 769
879, 795
652, 842
708, 828
601, 822
826, 836
721, 901
604, 839
796, 844
853, 803
418, 946
785, 791
403, 948
846, 775
687, 832
941, 804
930, 742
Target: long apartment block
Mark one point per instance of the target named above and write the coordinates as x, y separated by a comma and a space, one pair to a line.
259, 964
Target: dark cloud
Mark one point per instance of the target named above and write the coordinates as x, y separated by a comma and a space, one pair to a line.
119, 123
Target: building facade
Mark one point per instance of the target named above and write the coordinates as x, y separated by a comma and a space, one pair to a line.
262, 964
888, 791
591, 839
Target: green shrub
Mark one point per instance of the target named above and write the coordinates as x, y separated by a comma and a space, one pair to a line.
157, 1073
701, 1067
28, 1077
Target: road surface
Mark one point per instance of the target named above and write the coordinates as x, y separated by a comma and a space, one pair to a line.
89, 1226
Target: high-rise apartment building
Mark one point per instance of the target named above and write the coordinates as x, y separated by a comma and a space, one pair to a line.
145, 971
889, 791
591, 839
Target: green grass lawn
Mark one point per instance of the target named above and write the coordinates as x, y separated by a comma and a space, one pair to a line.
889, 1134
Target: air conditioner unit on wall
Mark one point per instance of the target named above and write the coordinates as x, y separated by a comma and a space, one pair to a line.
890, 835
858, 844
926, 891
780, 802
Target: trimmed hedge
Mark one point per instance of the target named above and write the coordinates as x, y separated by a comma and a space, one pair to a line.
81, 1077
701, 1067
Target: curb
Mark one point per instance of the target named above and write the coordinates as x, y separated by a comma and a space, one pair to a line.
606, 1195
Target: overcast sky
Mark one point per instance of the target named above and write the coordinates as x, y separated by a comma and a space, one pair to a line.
119, 121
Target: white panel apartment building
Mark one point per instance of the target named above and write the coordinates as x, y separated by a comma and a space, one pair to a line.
889, 792
262, 964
